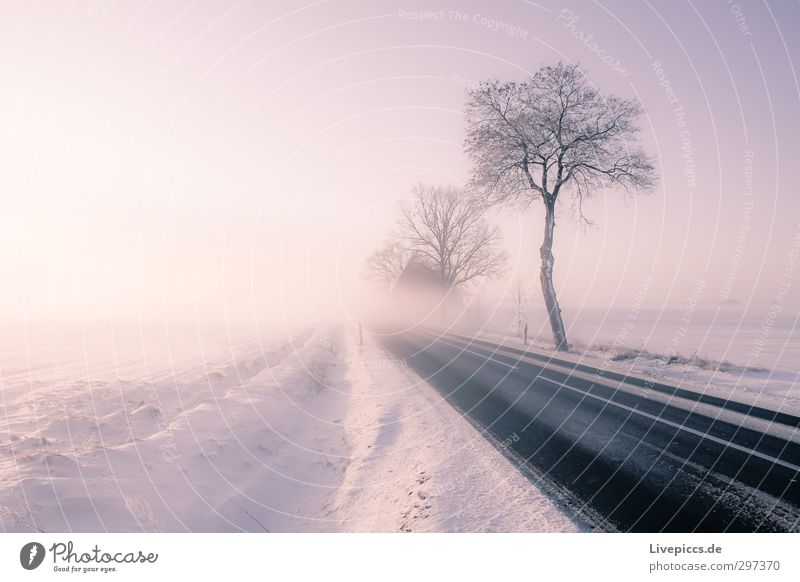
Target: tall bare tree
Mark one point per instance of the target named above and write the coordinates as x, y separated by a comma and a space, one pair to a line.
552, 133
446, 229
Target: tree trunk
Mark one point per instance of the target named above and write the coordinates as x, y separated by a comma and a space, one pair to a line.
546, 278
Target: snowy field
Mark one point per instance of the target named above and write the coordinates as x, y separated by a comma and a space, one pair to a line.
201, 429
120, 429
746, 355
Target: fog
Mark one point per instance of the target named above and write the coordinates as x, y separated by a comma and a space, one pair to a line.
239, 162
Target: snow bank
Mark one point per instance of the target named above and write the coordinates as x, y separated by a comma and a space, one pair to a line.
204, 451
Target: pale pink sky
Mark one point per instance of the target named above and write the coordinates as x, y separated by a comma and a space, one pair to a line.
235, 159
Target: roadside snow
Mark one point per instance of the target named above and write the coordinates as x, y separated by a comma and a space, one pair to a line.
305, 433
417, 465
774, 389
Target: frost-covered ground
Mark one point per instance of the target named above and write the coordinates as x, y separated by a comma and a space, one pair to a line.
413, 452
773, 389
747, 355
301, 430
769, 388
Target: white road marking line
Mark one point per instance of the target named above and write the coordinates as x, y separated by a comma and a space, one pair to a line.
679, 426
463, 349
670, 423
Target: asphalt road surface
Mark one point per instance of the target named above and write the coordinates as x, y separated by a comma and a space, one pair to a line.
620, 453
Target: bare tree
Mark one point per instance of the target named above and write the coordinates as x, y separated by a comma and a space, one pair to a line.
447, 230
552, 133
386, 264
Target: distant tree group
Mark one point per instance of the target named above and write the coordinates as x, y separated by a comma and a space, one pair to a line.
445, 230
529, 140
386, 264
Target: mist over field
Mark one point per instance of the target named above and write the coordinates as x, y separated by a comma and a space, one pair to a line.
241, 162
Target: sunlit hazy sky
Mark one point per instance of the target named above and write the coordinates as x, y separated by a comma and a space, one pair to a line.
220, 159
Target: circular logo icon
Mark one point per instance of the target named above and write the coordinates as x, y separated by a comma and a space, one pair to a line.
31, 555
